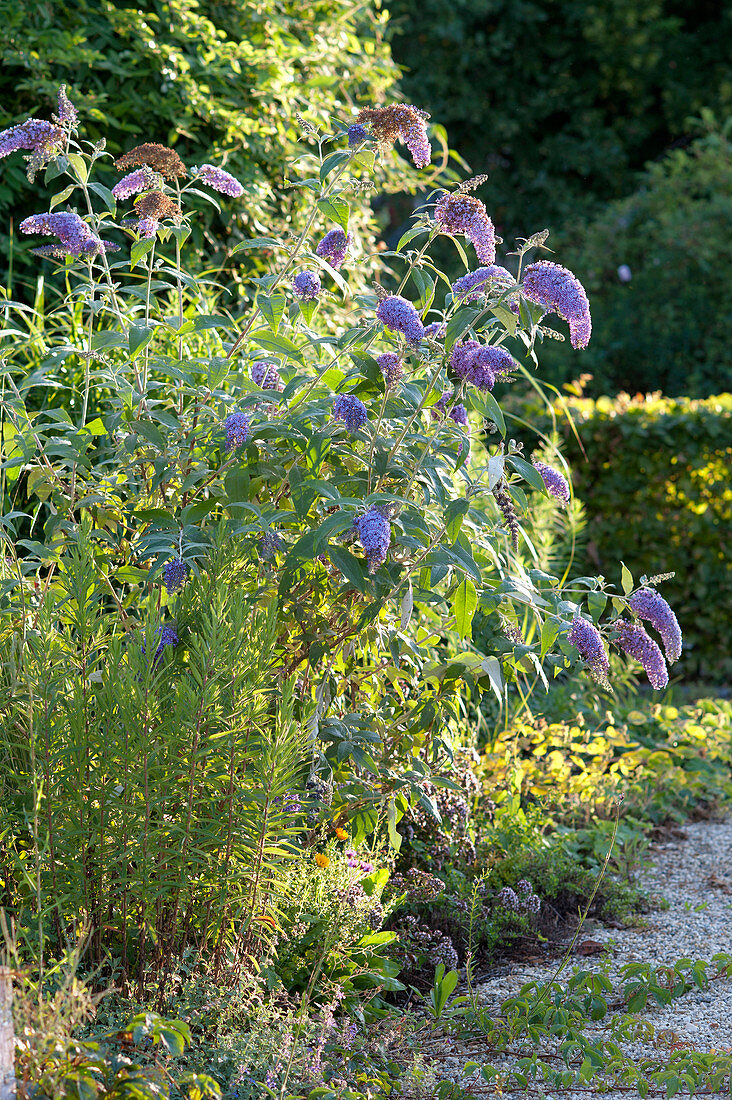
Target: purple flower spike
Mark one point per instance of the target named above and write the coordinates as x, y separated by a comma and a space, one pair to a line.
43, 138
403, 121
435, 329
67, 113
367, 866
391, 367
482, 281
270, 544
458, 213
142, 179
220, 180
306, 286
481, 365
507, 899
585, 637
651, 606
351, 411
356, 134
634, 641
559, 291
266, 375
167, 637
175, 574
374, 533
399, 315
333, 247
555, 482
73, 233
458, 413
236, 427
147, 228
461, 356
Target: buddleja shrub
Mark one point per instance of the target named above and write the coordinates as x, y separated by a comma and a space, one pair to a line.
345, 472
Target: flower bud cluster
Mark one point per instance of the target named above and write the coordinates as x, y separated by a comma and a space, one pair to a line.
464, 214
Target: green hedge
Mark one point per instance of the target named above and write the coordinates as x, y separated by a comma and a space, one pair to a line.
656, 488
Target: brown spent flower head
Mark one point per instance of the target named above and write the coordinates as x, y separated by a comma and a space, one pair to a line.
155, 204
158, 157
403, 121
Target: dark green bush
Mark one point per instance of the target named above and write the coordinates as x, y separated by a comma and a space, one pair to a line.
654, 479
210, 78
561, 102
667, 328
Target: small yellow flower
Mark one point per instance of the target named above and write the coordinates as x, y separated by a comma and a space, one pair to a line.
321, 860
341, 834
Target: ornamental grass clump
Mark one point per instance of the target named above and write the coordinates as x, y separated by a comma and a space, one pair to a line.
324, 547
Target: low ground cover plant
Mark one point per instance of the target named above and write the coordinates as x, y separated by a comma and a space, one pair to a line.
242, 560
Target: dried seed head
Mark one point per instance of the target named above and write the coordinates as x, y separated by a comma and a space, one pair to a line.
156, 205
505, 503
399, 120
158, 157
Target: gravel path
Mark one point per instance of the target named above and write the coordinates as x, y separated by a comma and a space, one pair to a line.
692, 873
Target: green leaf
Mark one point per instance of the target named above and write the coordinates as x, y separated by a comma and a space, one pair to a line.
140, 249
138, 338
492, 666
455, 513
626, 578
464, 605
277, 344
149, 432
307, 309
410, 235
272, 308
105, 194
256, 242
336, 209
62, 196
236, 485
79, 165
486, 404
352, 568
331, 162
528, 472
407, 607
549, 632
395, 839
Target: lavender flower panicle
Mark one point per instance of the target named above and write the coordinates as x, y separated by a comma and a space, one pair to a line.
650, 605
74, 234
559, 291
356, 134
585, 637
374, 533
306, 286
467, 215
399, 120
142, 179
482, 281
458, 413
36, 134
67, 112
351, 410
506, 898
147, 228
399, 315
167, 636
391, 367
481, 364
175, 574
236, 427
269, 545
435, 330
219, 180
266, 375
555, 482
634, 641
333, 247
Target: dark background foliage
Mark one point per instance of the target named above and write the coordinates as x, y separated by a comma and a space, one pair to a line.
562, 101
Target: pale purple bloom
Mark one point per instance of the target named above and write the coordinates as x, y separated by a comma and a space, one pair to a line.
175, 574
367, 866
142, 179
399, 315
507, 899
374, 533
391, 367
147, 228
462, 356
236, 427
481, 364
634, 641
458, 413
167, 637
555, 482
73, 233
352, 859
650, 605
351, 410
67, 113
36, 134
220, 180
306, 285
585, 637
559, 291
333, 247
415, 138
266, 375
435, 329
269, 545
484, 280
356, 134
458, 213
